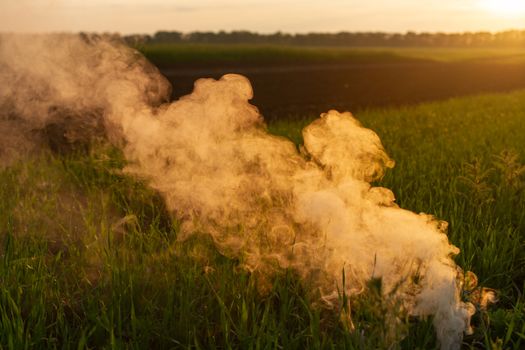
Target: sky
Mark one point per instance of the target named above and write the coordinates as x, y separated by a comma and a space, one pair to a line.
265, 16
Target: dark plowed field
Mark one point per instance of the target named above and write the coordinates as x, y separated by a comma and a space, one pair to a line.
289, 91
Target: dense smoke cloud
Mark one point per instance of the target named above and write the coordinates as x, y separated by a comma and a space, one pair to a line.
273, 207
61, 86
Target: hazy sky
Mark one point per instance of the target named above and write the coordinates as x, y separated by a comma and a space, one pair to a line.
148, 16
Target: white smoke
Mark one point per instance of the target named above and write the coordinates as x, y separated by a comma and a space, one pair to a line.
313, 211
60, 86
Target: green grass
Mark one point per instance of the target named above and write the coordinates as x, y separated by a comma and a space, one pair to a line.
266, 54
90, 258
495, 55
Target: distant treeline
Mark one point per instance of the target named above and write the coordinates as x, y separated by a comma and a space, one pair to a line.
510, 38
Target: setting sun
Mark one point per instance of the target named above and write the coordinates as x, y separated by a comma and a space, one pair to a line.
505, 7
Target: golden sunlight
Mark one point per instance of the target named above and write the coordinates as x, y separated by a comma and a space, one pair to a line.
505, 7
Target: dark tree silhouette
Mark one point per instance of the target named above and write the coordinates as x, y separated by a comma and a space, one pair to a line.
509, 38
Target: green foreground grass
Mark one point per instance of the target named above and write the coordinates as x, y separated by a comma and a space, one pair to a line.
214, 54
90, 258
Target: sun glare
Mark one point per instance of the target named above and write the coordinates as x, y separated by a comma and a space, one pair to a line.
505, 7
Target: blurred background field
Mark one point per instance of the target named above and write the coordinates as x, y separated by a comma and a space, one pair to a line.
166, 54
297, 80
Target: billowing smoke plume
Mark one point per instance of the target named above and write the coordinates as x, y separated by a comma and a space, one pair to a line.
313, 211
55, 89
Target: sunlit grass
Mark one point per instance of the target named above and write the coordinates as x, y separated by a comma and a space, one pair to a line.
267, 54
90, 257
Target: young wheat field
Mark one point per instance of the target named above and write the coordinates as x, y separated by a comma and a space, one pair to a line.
90, 257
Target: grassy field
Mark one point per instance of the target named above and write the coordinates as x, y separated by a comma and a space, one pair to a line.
90, 258
201, 54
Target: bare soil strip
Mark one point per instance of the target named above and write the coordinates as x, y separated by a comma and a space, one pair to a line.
293, 91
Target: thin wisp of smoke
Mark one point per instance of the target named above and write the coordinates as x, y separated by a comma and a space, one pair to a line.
263, 201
